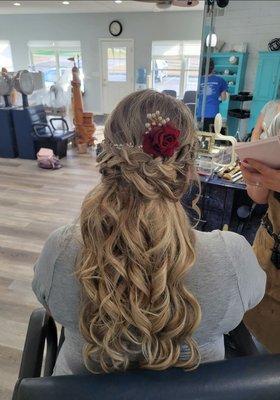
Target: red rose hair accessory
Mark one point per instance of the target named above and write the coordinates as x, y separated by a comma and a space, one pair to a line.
161, 138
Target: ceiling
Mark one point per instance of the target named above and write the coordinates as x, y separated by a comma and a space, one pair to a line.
94, 6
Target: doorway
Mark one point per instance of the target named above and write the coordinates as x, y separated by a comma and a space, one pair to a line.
117, 58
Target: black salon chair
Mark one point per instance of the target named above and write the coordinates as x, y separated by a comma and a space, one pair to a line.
189, 97
191, 107
189, 100
47, 134
250, 378
171, 93
32, 132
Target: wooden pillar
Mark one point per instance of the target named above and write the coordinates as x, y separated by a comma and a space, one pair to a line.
83, 121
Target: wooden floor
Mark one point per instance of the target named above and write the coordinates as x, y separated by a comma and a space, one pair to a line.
33, 202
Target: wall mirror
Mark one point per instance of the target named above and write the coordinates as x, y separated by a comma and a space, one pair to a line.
239, 67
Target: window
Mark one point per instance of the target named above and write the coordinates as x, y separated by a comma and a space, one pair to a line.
116, 64
6, 60
175, 66
52, 58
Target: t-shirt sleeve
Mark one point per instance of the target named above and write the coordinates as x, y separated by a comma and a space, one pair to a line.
44, 267
250, 277
223, 86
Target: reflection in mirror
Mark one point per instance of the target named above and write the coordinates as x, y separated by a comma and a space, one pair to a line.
239, 74
175, 66
204, 114
239, 97
240, 57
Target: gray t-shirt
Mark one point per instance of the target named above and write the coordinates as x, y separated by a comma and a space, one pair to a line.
226, 279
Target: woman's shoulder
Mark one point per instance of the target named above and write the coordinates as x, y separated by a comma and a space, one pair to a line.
65, 242
65, 234
227, 252
229, 259
61, 247
224, 241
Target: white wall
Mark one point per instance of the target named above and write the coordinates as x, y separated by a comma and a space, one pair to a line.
88, 28
254, 22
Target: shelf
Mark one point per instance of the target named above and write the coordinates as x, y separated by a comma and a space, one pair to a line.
226, 56
229, 65
227, 76
239, 114
235, 80
241, 97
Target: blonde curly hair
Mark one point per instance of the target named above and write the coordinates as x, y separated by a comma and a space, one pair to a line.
138, 246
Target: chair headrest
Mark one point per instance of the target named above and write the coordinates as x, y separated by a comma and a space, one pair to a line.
241, 378
37, 114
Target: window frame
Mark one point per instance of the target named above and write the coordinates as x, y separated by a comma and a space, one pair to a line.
57, 48
112, 72
183, 61
11, 54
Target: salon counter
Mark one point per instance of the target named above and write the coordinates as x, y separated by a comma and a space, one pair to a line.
215, 180
219, 201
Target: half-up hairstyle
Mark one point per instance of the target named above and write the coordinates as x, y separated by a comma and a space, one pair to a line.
138, 246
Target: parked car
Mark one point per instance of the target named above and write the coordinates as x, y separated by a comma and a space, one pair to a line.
160, 68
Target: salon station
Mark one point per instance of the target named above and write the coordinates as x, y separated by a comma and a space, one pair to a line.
65, 65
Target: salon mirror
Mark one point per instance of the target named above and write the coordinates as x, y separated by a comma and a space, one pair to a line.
240, 67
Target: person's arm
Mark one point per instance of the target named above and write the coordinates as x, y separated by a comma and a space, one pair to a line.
260, 181
258, 194
265, 176
258, 128
223, 89
255, 190
224, 95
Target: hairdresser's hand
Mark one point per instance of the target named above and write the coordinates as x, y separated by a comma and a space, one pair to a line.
262, 175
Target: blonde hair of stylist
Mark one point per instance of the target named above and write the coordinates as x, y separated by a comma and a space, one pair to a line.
268, 113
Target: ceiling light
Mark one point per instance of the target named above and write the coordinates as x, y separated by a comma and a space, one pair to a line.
118, 1
65, 3
17, 4
211, 40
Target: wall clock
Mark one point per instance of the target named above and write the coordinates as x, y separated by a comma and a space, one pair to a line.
115, 28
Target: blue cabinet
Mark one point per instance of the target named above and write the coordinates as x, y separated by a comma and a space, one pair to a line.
234, 74
267, 83
8, 143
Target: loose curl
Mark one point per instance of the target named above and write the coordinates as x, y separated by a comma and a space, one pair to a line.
138, 246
